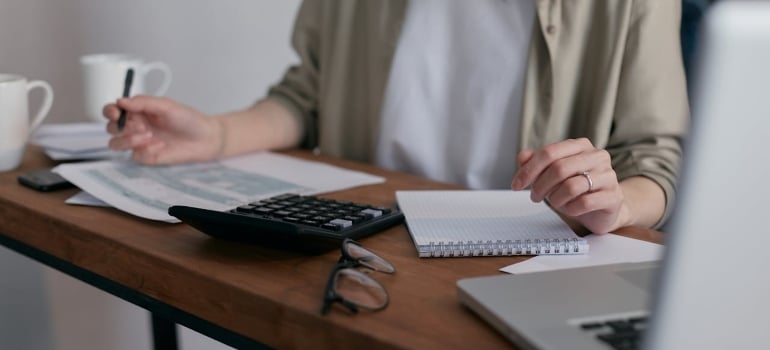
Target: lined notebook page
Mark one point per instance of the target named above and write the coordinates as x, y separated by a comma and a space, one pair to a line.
462, 218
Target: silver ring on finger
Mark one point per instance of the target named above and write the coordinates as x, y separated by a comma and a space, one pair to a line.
586, 174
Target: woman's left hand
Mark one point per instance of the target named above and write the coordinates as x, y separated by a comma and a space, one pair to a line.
577, 180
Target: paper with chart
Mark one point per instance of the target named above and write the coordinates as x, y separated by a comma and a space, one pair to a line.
148, 191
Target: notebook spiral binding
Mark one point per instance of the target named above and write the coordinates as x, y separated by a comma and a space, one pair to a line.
502, 248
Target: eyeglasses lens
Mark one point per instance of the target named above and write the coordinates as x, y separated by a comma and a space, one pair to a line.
360, 289
368, 259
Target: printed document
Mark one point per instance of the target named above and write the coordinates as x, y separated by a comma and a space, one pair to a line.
148, 191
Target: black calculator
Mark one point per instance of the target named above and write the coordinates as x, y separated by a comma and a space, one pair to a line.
307, 224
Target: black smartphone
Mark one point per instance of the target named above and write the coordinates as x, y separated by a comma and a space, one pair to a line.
44, 180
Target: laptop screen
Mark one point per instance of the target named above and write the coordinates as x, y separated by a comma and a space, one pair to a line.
713, 290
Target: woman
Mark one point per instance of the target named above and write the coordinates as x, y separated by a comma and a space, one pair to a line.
583, 102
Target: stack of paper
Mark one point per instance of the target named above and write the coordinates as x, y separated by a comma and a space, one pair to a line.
74, 141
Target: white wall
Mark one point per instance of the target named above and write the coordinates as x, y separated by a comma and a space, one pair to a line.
224, 55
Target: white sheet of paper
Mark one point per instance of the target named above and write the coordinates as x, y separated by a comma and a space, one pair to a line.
84, 198
75, 144
605, 249
73, 140
148, 191
68, 129
98, 154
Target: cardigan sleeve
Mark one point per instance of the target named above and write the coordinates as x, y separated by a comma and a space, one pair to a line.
651, 115
298, 89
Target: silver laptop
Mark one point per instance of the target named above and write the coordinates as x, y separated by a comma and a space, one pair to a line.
712, 290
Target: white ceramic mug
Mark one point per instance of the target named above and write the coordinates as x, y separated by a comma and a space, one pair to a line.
15, 123
105, 74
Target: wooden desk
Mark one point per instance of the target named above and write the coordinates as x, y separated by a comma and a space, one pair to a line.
237, 293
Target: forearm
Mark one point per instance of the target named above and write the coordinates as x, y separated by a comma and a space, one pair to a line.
644, 202
267, 125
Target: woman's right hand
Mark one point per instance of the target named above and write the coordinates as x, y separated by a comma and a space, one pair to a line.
161, 131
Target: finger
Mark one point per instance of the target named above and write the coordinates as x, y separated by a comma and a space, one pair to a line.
146, 104
112, 128
596, 211
130, 141
568, 191
595, 160
577, 185
522, 158
135, 124
591, 202
150, 153
543, 158
159, 152
111, 111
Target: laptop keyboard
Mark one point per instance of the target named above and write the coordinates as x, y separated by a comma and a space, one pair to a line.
619, 334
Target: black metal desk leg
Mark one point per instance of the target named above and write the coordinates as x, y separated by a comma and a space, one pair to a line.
163, 333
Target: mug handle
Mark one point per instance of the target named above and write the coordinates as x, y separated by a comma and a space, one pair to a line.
42, 112
163, 68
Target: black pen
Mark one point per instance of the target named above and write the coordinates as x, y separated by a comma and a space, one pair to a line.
126, 93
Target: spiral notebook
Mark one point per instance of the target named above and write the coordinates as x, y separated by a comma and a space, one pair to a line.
484, 223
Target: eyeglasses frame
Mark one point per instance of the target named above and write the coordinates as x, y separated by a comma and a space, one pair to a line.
346, 261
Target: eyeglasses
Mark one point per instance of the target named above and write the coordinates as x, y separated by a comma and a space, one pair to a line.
353, 288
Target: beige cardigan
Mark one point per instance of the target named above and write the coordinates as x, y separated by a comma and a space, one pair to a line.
608, 70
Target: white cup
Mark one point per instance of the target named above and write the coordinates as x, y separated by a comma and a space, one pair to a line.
15, 124
105, 74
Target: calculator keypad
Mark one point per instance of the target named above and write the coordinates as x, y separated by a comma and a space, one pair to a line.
327, 214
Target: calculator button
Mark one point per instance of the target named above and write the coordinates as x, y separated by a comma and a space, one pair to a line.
311, 222
281, 213
340, 212
331, 227
342, 223
245, 208
285, 196
354, 218
384, 211
372, 212
262, 210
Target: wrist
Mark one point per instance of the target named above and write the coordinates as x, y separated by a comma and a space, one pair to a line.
643, 202
625, 216
219, 135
